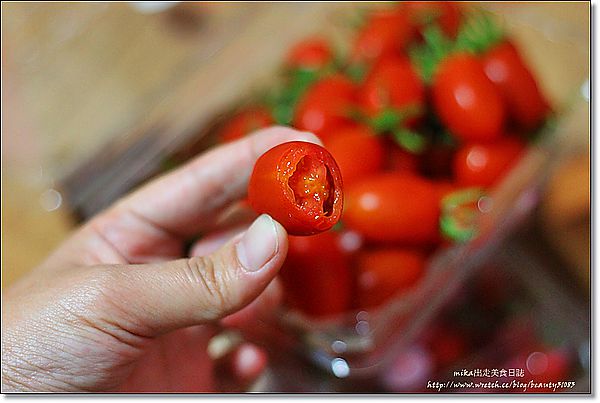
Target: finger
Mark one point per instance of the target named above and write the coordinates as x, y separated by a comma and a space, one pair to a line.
210, 243
188, 200
151, 223
161, 297
258, 309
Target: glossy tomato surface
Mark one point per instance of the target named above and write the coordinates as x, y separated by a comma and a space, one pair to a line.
504, 66
358, 151
244, 122
326, 105
300, 185
316, 275
386, 32
393, 83
485, 164
385, 272
466, 101
393, 207
311, 53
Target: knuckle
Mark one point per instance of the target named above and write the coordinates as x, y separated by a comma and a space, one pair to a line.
212, 277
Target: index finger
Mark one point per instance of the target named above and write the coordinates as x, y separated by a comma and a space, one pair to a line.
188, 200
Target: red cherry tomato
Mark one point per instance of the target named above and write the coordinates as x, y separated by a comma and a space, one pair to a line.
393, 207
485, 164
246, 122
312, 53
316, 276
327, 104
393, 83
383, 273
467, 102
358, 151
299, 184
398, 159
526, 105
386, 32
446, 14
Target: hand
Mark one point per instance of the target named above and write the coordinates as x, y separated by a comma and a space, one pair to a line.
119, 308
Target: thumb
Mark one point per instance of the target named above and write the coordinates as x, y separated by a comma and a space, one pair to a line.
160, 297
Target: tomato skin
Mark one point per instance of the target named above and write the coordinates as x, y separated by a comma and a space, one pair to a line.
316, 275
244, 122
393, 83
446, 14
384, 272
526, 105
311, 53
466, 101
386, 32
398, 159
270, 188
327, 104
393, 207
358, 151
485, 164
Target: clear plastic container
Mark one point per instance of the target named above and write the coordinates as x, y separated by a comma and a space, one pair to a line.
360, 344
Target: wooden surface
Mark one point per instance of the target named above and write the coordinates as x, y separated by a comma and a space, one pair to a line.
84, 78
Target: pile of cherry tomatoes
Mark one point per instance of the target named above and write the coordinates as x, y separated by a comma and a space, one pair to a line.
431, 100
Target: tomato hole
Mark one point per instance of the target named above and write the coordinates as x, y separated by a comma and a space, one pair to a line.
312, 185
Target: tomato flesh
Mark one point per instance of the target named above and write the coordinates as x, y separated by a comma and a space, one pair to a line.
312, 186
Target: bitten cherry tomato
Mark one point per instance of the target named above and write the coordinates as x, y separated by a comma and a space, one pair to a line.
386, 32
393, 207
393, 83
358, 151
467, 102
312, 53
485, 164
316, 276
444, 13
299, 184
327, 104
383, 273
504, 66
245, 122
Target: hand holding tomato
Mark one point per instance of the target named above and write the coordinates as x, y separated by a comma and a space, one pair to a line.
138, 310
300, 185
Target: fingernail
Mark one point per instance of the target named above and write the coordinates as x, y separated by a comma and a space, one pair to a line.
259, 244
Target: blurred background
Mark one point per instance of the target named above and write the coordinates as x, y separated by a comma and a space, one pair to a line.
96, 96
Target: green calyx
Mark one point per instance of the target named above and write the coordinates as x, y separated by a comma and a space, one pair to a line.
458, 215
427, 56
284, 102
410, 141
393, 121
477, 34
